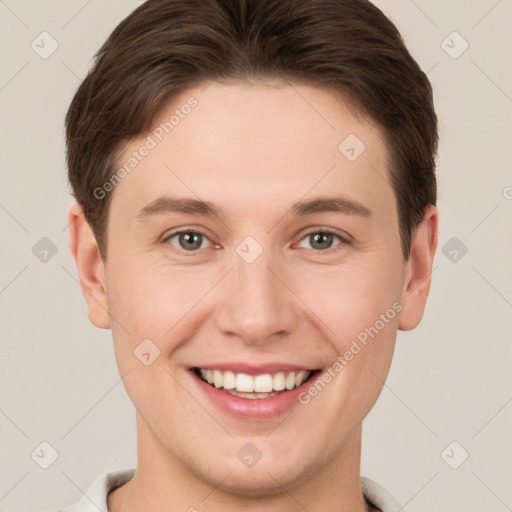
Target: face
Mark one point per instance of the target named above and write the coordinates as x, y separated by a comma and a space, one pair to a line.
254, 245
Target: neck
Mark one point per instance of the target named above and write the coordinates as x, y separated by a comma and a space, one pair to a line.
163, 482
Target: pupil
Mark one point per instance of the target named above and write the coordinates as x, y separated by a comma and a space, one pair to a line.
191, 240
320, 238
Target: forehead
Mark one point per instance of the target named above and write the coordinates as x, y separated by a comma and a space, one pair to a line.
252, 146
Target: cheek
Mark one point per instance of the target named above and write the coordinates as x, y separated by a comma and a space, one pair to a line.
153, 301
359, 304
359, 309
152, 306
350, 298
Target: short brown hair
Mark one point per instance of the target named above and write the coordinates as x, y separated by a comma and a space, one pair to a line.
167, 46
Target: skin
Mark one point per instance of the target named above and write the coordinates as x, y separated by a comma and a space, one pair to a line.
253, 150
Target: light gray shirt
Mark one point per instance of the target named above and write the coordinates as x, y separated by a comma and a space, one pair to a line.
95, 498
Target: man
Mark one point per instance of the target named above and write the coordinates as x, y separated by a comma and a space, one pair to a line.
255, 220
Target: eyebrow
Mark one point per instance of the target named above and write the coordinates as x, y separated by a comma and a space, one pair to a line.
168, 204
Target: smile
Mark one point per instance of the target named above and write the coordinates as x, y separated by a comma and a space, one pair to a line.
253, 392
264, 385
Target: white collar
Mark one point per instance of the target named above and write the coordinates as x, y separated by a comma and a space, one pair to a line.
95, 498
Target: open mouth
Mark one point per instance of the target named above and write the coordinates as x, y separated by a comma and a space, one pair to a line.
254, 386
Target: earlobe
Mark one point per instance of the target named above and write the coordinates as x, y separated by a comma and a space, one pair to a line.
419, 270
91, 271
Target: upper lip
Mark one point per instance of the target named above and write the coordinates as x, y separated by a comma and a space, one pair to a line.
253, 369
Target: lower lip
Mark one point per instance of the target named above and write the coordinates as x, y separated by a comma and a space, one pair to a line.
253, 408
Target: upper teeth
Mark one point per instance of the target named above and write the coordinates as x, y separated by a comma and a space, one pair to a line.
259, 383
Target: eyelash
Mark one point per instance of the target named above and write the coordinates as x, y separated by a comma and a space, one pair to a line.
343, 240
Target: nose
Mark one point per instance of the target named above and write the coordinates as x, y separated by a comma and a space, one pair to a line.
255, 302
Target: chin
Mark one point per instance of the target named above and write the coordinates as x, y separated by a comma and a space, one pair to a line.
263, 479
252, 485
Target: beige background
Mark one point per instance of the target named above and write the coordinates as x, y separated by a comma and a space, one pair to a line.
450, 380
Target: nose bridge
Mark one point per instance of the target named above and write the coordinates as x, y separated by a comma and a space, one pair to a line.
255, 304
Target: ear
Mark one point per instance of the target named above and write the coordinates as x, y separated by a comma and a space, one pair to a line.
91, 270
418, 270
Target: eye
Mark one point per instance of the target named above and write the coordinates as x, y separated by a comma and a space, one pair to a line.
188, 240
322, 240
191, 241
